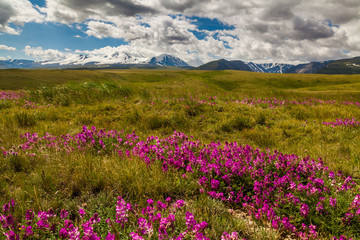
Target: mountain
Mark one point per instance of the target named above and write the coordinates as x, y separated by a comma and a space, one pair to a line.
113, 60
342, 66
103, 59
168, 60
312, 67
269, 67
223, 64
17, 63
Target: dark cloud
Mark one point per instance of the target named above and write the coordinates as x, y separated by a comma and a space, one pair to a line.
172, 35
108, 7
279, 12
311, 29
259, 27
6, 11
181, 6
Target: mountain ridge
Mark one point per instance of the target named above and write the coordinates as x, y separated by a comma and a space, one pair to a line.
340, 66
124, 60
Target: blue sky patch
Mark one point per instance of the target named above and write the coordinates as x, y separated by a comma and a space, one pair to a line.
199, 35
54, 36
210, 24
40, 3
330, 24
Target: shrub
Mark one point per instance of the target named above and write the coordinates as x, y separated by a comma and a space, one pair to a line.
25, 119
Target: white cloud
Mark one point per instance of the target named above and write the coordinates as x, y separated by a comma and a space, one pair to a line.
17, 12
2, 58
4, 47
280, 30
48, 54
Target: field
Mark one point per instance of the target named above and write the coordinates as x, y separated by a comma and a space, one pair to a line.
259, 156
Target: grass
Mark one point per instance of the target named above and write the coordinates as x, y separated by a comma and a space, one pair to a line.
157, 103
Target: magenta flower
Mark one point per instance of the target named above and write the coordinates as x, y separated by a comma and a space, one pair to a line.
135, 236
63, 233
304, 210
319, 207
190, 221
82, 212
110, 237
29, 215
215, 184
12, 236
28, 231
63, 214
333, 202
230, 236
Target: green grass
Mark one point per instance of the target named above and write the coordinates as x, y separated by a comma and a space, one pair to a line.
159, 102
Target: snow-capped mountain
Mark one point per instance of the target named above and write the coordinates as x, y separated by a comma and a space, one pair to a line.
269, 67
168, 60
99, 59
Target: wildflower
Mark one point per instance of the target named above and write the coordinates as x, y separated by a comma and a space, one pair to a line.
28, 231
304, 210
136, 236
333, 202
63, 233
110, 237
29, 215
215, 184
95, 218
150, 202
319, 207
161, 206
145, 227
230, 236
190, 221
63, 214
12, 236
82, 212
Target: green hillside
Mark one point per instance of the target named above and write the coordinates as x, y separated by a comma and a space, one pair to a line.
158, 125
343, 66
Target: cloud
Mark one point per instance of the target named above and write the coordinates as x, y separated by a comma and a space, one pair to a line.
69, 11
6, 11
17, 12
4, 47
48, 54
311, 29
280, 30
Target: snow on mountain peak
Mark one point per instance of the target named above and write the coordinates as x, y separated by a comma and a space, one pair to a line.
168, 60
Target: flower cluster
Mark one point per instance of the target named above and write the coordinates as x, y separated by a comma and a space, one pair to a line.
343, 122
33, 105
292, 194
286, 191
9, 95
153, 220
91, 139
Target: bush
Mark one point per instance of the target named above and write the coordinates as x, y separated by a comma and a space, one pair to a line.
155, 122
25, 119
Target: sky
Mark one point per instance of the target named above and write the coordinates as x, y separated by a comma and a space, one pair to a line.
197, 31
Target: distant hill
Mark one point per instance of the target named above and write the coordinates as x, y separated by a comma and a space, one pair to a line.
223, 64
123, 60
168, 60
269, 67
312, 67
343, 66
116, 60
17, 63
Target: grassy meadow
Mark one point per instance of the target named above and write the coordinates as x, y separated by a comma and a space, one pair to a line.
283, 112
